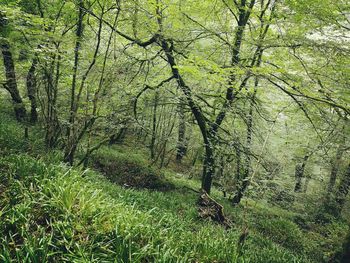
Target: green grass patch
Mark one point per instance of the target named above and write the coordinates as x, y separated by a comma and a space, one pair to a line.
130, 170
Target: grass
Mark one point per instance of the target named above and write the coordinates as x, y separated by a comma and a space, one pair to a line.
59, 215
129, 169
53, 213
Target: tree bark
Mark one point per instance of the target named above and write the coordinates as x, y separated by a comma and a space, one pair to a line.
238, 164
11, 83
208, 168
32, 90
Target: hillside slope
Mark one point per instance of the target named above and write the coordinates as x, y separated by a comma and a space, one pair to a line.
50, 212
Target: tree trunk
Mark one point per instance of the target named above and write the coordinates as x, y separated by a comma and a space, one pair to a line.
154, 125
181, 147
299, 174
11, 82
209, 131
335, 168
208, 168
244, 180
239, 194
32, 89
71, 130
51, 75
238, 165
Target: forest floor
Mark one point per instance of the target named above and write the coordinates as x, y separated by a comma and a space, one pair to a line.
50, 212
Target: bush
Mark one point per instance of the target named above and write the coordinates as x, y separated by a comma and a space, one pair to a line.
130, 170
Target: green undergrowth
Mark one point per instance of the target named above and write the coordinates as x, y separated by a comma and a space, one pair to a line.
12, 136
53, 213
50, 213
129, 169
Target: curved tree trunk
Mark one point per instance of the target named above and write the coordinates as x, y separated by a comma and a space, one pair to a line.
208, 130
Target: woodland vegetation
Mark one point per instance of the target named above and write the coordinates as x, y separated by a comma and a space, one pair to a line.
174, 131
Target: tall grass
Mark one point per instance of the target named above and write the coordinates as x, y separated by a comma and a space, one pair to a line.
53, 213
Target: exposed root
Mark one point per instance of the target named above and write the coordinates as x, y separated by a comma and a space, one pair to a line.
209, 208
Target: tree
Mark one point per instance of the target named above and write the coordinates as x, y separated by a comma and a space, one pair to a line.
10, 73
11, 82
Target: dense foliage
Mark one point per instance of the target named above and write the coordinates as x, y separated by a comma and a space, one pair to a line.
246, 101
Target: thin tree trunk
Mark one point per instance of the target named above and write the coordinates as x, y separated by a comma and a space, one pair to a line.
335, 168
181, 147
208, 165
154, 125
11, 83
71, 147
32, 91
238, 165
53, 128
244, 182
